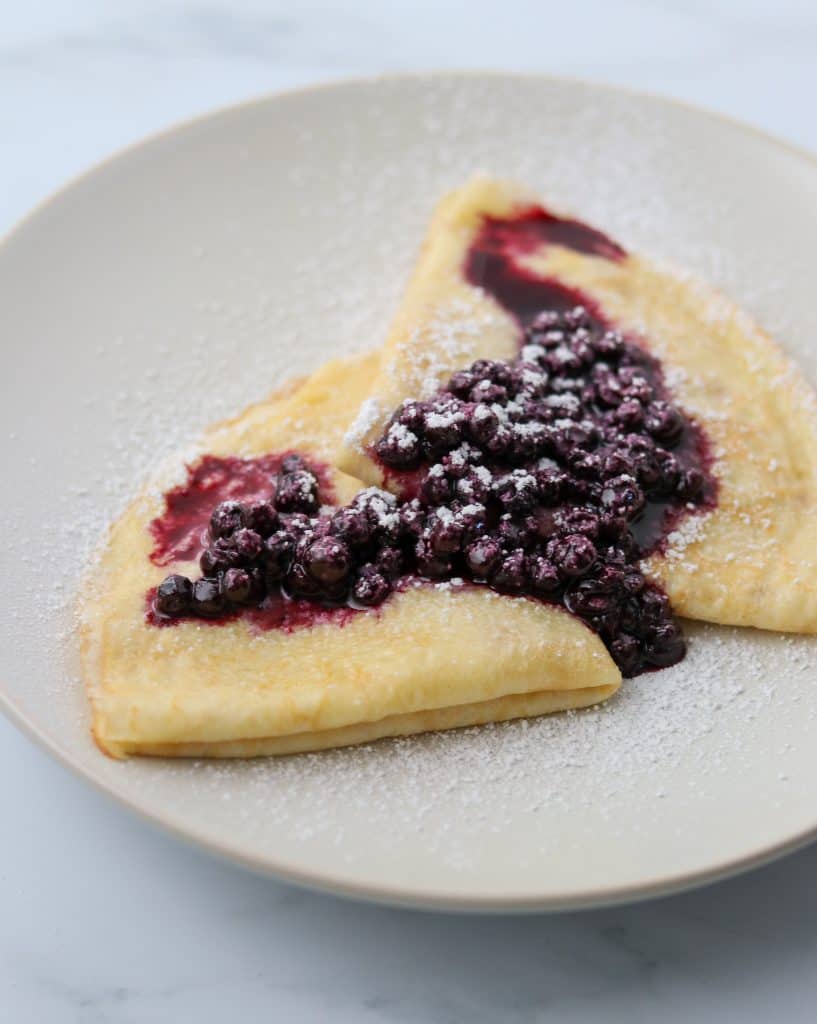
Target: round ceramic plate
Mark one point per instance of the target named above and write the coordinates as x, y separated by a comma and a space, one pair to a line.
191, 274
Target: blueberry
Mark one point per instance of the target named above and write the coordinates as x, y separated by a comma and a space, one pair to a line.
220, 556
297, 492
666, 646
351, 526
173, 595
690, 484
443, 533
328, 561
461, 383
371, 587
436, 488
626, 652
572, 555
292, 463
482, 557
663, 421
399, 447
511, 573
543, 575
389, 562
622, 496
236, 586
262, 517
207, 600
279, 550
430, 562
248, 545
226, 518
518, 491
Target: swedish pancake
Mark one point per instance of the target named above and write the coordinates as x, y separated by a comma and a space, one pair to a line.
752, 558
429, 658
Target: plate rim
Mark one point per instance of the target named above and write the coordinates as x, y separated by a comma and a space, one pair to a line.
414, 897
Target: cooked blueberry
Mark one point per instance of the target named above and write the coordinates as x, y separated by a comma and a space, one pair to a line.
482, 423
572, 555
236, 586
430, 562
297, 492
351, 526
666, 646
443, 427
690, 484
300, 583
626, 652
518, 491
622, 496
461, 383
389, 562
262, 517
207, 599
412, 518
292, 463
173, 595
226, 518
218, 557
511, 573
371, 587
328, 561
399, 447
436, 488
543, 575
248, 544
278, 553
482, 557
663, 421
443, 533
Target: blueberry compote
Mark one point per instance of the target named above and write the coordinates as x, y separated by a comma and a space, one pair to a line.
549, 476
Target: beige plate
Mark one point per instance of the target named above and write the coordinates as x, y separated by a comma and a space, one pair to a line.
187, 276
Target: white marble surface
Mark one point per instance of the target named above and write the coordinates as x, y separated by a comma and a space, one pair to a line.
103, 919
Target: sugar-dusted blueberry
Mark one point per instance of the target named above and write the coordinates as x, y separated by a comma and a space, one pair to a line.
207, 599
248, 545
173, 595
461, 382
371, 587
389, 561
517, 491
543, 574
328, 560
572, 555
482, 557
351, 526
236, 586
663, 421
436, 488
622, 496
399, 447
292, 463
219, 556
511, 573
297, 492
279, 550
443, 532
262, 517
430, 562
226, 518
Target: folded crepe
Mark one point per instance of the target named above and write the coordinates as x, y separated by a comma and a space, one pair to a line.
751, 560
431, 657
